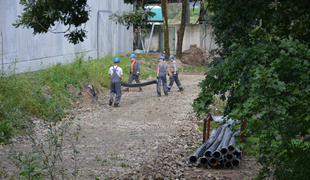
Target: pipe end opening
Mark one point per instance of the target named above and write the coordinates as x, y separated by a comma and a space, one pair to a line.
231, 148
216, 154
208, 153
229, 156
235, 162
213, 161
228, 164
224, 151
203, 161
193, 159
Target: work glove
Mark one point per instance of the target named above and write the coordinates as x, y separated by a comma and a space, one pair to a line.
137, 74
157, 77
174, 74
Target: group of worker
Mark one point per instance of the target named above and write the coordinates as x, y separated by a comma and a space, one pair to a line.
116, 74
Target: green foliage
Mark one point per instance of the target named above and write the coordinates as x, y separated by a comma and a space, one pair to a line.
43, 94
264, 65
6, 132
136, 18
43, 15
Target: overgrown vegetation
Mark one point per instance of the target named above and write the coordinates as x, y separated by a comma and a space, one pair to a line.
43, 94
264, 65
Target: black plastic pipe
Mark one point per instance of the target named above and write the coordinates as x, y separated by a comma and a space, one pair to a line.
237, 152
139, 84
209, 152
193, 158
232, 141
217, 154
235, 162
224, 150
228, 164
229, 157
213, 161
203, 160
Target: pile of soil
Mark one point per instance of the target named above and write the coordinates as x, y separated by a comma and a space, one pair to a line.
196, 57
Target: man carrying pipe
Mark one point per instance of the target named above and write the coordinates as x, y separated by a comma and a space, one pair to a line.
161, 75
134, 71
175, 76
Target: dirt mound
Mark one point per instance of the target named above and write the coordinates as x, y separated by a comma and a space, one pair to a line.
195, 56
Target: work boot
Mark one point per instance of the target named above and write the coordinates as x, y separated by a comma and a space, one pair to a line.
140, 90
168, 89
110, 102
159, 95
127, 89
181, 89
116, 105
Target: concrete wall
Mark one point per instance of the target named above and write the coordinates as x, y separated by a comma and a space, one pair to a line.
21, 49
194, 34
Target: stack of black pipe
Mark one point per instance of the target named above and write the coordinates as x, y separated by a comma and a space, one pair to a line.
219, 150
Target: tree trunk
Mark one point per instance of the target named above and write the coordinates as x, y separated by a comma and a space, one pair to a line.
164, 8
180, 33
202, 12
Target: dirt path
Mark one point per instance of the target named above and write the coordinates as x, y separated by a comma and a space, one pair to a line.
148, 137
116, 140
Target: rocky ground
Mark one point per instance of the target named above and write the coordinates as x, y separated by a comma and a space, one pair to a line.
148, 137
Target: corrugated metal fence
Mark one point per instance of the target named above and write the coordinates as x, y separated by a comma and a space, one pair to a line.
21, 50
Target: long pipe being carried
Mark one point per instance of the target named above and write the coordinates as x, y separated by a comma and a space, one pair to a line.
139, 84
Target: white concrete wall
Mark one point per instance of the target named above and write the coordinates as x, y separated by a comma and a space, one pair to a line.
21, 49
194, 34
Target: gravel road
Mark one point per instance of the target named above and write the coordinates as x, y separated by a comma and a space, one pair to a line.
148, 137
118, 140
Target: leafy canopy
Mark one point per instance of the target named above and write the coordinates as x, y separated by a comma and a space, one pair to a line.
264, 66
45, 16
136, 18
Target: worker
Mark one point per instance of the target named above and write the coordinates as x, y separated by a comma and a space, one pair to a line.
162, 67
175, 74
134, 71
115, 74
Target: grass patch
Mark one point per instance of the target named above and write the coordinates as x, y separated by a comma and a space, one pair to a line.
194, 68
43, 93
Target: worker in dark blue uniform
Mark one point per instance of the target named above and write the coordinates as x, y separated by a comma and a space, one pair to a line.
162, 67
175, 74
134, 71
116, 74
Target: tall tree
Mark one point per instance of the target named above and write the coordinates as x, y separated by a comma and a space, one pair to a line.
264, 66
180, 33
164, 8
202, 12
42, 16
